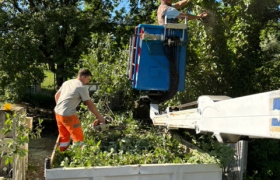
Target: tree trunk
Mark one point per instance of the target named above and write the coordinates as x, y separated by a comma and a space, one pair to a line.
59, 75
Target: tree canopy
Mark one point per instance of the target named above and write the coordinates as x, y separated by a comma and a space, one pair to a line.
228, 55
36, 33
236, 52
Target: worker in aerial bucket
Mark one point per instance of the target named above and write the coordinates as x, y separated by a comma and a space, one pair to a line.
170, 10
67, 98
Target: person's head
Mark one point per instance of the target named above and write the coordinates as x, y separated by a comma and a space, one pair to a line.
168, 2
84, 75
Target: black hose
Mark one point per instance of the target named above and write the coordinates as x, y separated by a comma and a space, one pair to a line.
171, 53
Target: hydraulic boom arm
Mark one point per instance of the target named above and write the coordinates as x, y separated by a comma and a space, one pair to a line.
254, 116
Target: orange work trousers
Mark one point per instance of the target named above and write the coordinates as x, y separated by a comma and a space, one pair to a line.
69, 126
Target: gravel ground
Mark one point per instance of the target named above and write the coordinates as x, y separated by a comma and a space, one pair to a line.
40, 149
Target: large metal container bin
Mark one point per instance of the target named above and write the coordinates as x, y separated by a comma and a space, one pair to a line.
139, 172
134, 172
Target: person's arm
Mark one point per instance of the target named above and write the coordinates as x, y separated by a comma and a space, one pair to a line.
92, 108
191, 17
56, 96
180, 4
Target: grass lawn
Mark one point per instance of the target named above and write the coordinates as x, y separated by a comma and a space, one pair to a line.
49, 82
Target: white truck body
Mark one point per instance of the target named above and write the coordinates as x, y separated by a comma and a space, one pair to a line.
134, 172
138, 172
253, 116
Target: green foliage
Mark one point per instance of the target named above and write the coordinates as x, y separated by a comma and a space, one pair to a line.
226, 55
263, 159
268, 73
36, 33
235, 53
49, 81
108, 64
15, 124
131, 14
223, 153
134, 143
37, 130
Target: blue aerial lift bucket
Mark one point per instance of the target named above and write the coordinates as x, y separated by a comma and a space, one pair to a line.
154, 51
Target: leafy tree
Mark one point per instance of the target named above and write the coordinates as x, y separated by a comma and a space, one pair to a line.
131, 14
17, 68
236, 53
55, 33
268, 73
230, 54
108, 65
263, 159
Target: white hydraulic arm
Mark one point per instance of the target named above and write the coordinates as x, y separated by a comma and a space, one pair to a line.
253, 116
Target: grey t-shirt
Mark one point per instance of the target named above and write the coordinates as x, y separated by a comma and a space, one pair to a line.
71, 94
172, 12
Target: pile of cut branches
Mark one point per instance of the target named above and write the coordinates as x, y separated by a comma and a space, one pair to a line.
134, 143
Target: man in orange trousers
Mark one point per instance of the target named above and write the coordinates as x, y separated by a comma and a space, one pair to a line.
67, 98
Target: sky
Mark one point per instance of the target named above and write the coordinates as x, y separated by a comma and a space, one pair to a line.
125, 3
